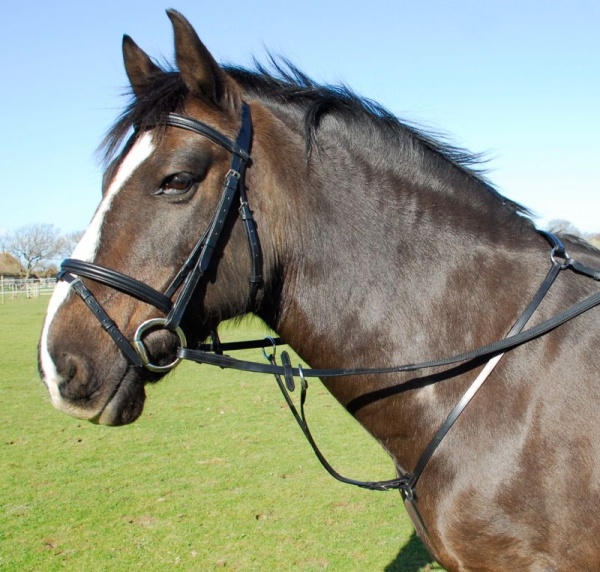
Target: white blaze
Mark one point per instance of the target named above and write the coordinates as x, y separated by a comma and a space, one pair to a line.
88, 245
86, 250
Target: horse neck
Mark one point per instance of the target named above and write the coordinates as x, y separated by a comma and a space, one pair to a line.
375, 270
364, 252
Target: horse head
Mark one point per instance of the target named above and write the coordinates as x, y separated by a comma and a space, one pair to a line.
160, 192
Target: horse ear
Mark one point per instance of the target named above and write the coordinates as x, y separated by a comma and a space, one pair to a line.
138, 66
199, 71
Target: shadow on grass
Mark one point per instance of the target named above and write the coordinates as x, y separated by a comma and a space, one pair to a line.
413, 557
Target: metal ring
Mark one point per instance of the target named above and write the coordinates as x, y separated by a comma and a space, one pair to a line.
140, 348
271, 356
303, 381
557, 252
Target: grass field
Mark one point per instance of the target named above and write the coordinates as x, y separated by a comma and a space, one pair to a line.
215, 475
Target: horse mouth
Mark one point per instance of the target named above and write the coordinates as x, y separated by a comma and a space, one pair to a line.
126, 403
104, 390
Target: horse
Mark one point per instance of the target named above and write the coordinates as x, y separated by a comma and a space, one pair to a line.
363, 241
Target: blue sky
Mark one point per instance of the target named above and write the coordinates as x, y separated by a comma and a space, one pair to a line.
517, 79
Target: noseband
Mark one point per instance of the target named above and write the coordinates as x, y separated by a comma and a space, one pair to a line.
194, 267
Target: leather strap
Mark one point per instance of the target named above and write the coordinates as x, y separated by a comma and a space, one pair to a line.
489, 350
407, 482
109, 326
234, 183
199, 259
116, 280
286, 385
409, 491
582, 269
239, 148
210, 243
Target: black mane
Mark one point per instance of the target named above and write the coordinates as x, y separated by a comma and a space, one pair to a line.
289, 85
165, 93
286, 86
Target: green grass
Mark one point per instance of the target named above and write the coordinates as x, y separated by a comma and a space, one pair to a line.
215, 475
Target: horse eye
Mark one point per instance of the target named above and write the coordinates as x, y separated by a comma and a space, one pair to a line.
177, 184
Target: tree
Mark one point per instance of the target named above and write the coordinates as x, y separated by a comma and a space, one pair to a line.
34, 245
563, 226
594, 239
70, 241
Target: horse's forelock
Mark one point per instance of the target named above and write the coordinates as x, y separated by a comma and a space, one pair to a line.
165, 93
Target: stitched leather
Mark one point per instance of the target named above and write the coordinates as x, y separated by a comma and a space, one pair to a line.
116, 280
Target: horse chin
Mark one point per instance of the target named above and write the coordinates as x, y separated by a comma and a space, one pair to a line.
126, 404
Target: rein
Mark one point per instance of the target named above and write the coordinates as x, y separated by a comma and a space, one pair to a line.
196, 265
212, 354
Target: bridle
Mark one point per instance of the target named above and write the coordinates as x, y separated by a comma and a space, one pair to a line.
195, 266
198, 262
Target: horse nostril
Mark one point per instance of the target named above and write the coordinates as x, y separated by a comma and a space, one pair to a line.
75, 379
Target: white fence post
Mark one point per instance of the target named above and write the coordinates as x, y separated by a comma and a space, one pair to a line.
20, 288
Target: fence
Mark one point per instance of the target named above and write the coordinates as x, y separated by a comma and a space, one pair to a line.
17, 288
